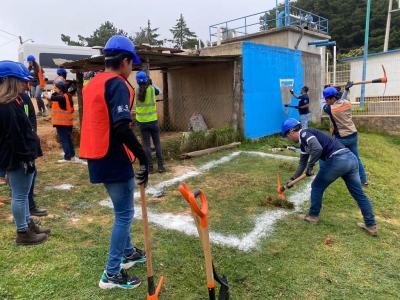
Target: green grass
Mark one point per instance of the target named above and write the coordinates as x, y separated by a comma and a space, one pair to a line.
291, 263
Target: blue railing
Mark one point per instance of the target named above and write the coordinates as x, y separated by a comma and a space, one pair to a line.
274, 18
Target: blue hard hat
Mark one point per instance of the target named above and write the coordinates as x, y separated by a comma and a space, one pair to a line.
30, 58
329, 92
141, 76
289, 124
12, 69
26, 71
121, 43
61, 70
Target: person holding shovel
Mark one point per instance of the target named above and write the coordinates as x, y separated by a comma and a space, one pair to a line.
110, 146
339, 111
338, 162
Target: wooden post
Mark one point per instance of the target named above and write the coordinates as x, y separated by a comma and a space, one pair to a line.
237, 95
166, 115
79, 83
146, 66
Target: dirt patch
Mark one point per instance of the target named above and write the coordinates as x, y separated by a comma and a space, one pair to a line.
180, 170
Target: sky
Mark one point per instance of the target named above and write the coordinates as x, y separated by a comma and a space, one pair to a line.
45, 20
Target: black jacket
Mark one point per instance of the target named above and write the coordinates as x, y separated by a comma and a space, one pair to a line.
18, 140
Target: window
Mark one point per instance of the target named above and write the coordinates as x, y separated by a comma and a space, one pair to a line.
46, 59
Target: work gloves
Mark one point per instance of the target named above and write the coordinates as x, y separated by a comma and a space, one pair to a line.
348, 85
143, 175
291, 91
309, 172
289, 181
29, 167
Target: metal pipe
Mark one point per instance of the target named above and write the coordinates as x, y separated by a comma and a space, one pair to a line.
334, 64
387, 33
364, 74
317, 42
287, 13
276, 14
326, 44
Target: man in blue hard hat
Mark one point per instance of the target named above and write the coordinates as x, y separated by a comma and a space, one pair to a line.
303, 106
338, 162
110, 146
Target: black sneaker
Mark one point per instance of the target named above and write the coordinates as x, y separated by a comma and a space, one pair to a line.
121, 280
139, 256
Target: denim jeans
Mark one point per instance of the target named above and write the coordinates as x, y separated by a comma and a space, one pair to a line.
121, 194
304, 120
351, 143
30, 195
20, 185
64, 134
346, 166
151, 129
37, 91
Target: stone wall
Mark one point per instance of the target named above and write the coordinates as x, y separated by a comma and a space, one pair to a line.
389, 125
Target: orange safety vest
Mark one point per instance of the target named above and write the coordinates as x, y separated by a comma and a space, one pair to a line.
95, 131
42, 83
60, 116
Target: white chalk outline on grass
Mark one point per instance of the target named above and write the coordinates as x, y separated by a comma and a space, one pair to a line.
184, 223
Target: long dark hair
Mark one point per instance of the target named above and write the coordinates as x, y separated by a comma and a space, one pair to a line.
142, 91
35, 66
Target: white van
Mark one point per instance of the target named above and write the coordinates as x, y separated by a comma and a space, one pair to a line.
44, 55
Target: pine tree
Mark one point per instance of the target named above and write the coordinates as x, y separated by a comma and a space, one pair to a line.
182, 36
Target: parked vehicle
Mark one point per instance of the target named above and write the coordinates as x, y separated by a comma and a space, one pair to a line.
45, 54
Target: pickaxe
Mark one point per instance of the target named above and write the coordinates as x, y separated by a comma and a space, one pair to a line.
379, 80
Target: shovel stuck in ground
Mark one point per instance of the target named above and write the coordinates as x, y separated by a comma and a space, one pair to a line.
200, 216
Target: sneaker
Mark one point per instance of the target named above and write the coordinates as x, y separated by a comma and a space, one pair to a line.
44, 114
312, 220
161, 169
63, 161
372, 230
121, 280
139, 256
365, 185
76, 160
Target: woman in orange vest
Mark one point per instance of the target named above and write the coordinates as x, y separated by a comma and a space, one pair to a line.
62, 113
37, 83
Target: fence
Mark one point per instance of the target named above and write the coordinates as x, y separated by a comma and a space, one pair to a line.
274, 18
379, 99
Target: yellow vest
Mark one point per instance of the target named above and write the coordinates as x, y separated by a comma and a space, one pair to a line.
146, 111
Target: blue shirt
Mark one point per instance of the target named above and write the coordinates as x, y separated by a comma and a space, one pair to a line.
304, 100
329, 144
115, 166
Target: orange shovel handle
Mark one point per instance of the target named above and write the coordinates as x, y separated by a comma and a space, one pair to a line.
190, 197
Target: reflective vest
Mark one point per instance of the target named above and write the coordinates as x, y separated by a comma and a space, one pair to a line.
146, 111
96, 123
42, 83
57, 79
60, 116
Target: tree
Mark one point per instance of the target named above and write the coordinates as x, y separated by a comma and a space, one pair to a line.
347, 22
182, 36
99, 37
147, 35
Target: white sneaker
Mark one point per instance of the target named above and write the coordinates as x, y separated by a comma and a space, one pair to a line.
76, 160
63, 161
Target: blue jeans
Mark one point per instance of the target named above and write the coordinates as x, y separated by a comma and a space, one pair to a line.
304, 120
351, 143
30, 195
64, 134
346, 166
151, 129
121, 194
20, 185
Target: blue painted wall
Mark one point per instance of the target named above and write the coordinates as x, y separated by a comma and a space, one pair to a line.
263, 67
